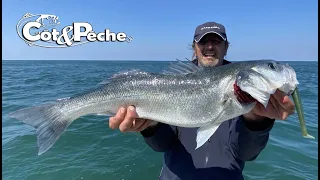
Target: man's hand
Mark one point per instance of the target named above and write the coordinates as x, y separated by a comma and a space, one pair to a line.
127, 121
279, 107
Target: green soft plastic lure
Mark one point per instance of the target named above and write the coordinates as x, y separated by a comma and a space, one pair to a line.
298, 105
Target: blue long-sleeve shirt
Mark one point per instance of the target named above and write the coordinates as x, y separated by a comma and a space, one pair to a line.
223, 156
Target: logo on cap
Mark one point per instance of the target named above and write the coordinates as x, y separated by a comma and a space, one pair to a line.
212, 27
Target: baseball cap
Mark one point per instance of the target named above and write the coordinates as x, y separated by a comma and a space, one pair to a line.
210, 27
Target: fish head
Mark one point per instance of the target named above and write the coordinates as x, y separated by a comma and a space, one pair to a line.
263, 78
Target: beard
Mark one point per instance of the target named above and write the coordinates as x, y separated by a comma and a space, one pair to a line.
213, 61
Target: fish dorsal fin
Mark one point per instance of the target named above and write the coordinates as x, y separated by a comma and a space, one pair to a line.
125, 74
182, 67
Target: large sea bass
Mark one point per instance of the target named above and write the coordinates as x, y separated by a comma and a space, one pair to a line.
186, 96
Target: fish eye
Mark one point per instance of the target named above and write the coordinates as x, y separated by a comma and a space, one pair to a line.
271, 65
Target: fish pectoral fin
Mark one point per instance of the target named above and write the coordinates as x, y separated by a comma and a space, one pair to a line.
204, 133
182, 68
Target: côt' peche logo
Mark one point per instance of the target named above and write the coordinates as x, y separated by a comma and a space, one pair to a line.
38, 30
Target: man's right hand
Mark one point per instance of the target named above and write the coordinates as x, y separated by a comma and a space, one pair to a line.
127, 121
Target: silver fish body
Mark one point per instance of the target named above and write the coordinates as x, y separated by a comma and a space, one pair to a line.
187, 100
190, 97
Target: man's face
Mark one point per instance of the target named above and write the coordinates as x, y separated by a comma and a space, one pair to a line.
211, 50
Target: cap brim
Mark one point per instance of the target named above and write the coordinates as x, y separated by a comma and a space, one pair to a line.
224, 38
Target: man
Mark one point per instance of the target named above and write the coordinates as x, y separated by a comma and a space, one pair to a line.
238, 140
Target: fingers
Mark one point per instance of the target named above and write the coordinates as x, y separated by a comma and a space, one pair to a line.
137, 123
128, 120
279, 107
284, 101
115, 121
290, 107
277, 110
143, 123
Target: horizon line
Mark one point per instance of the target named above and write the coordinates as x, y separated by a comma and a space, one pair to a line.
130, 60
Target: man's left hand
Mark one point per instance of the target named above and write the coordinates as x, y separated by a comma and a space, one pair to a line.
279, 107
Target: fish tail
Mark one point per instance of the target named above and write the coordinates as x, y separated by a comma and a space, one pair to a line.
48, 121
298, 105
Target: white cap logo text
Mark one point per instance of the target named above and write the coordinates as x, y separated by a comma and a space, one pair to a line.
212, 27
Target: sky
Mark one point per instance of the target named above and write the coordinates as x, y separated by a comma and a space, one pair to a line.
285, 30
